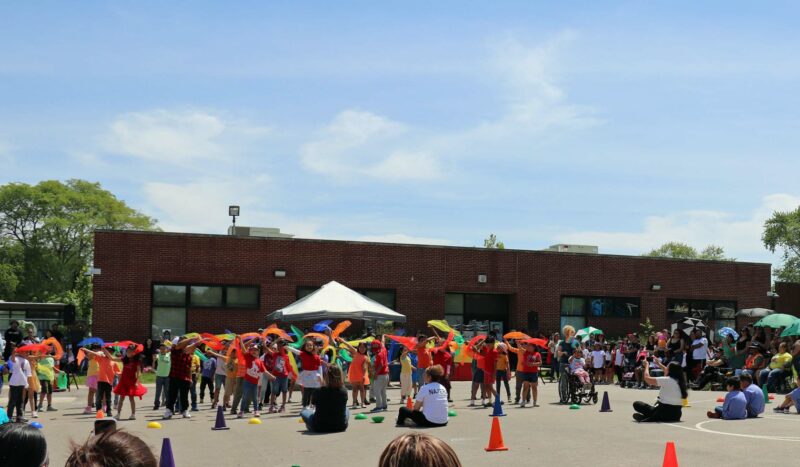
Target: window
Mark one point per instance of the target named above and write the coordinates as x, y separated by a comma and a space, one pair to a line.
607, 307
242, 297
703, 309
173, 319
573, 306
169, 295
200, 296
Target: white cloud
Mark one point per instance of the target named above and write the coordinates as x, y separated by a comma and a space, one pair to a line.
740, 237
358, 143
177, 137
202, 207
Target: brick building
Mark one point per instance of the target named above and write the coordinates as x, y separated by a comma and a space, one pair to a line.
192, 282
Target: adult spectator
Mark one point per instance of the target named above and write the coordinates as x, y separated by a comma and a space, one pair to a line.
699, 350
754, 396
112, 449
566, 347
735, 405
754, 362
330, 414
676, 347
22, 445
779, 365
672, 390
418, 450
13, 335
711, 371
430, 408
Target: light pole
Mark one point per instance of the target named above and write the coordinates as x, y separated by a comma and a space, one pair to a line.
773, 296
233, 211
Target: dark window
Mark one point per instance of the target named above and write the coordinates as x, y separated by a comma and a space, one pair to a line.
169, 295
702, 309
201, 295
242, 297
607, 307
169, 318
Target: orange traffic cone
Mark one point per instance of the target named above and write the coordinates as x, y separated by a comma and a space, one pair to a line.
670, 458
100, 414
496, 437
409, 403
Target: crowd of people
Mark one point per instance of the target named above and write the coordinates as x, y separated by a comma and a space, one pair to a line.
260, 372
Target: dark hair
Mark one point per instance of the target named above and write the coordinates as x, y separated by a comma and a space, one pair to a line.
733, 381
418, 450
112, 449
22, 445
745, 377
675, 372
335, 377
489, 340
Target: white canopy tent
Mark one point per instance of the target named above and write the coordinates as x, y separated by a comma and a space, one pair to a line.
754, 312
335, 301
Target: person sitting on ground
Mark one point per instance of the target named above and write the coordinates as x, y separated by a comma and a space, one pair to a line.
754, 396
114, 448
710, 371
672, 390
418, 450
735, 405
22, 445
793, 398
779, 365
430, 408
330, 413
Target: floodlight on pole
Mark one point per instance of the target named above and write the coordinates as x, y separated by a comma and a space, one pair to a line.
233, 211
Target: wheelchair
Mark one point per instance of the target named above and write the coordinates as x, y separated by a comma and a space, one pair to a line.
572, 391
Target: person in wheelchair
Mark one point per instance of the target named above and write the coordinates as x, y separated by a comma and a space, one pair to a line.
577, 367
713, 371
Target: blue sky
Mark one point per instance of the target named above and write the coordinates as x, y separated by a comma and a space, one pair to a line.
623, 125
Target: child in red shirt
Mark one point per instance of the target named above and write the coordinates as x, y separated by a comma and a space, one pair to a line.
254, 367
489, 354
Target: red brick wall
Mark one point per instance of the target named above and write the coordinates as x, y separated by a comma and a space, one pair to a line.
421, 275
788, 300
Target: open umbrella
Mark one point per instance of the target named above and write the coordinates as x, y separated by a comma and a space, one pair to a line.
91, 340
754, 312
778, 320
792, 330
586, 332
725, 332
688, 325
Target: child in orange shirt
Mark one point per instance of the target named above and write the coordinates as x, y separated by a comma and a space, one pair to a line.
502, 370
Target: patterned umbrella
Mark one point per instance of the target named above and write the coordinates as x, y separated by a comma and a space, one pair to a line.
584, 333
725, 332
688, 325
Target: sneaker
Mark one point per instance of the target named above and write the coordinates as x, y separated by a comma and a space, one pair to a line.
778, 409
516, 401
535, 404
240, 415
255, 414
472, 403
786, 411
22, 420
363, 406
89, 410
35, 414
375, 410
233, 412
50, 408
522, 405
167, 414
282, 409
186, 414
132, 417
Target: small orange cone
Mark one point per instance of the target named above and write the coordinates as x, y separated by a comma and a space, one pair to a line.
496, 437
409, 403
720, 399
670, 458
100, 414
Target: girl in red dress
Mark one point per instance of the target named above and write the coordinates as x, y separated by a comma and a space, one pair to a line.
129, 384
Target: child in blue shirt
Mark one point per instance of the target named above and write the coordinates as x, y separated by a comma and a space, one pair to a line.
735, 405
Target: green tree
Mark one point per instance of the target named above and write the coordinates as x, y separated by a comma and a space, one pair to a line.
47, 231
491, 242
683, 251
782, 231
